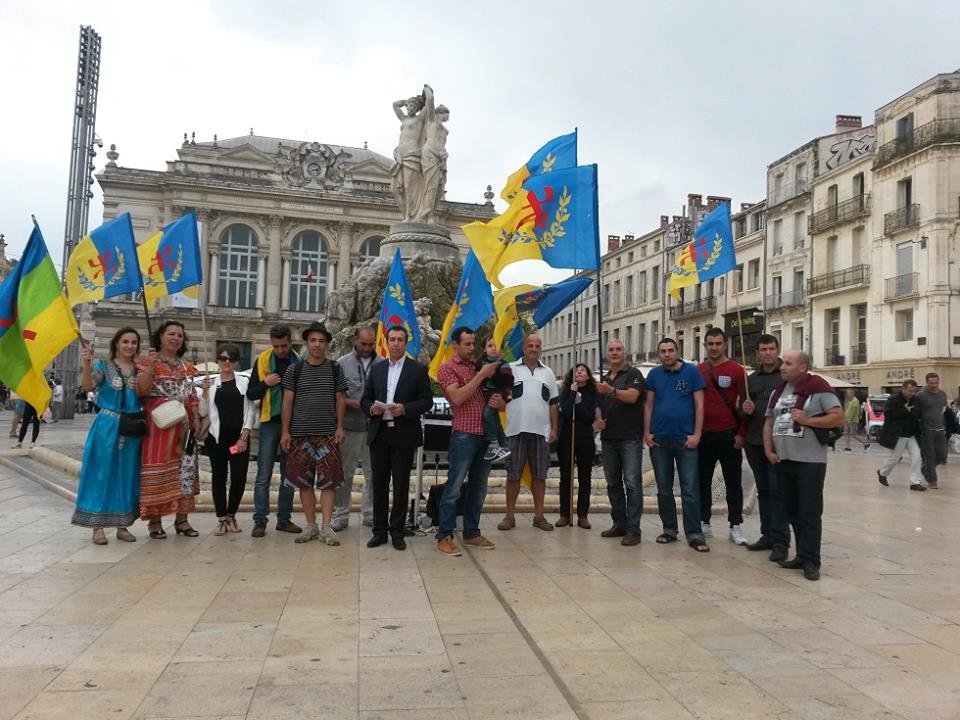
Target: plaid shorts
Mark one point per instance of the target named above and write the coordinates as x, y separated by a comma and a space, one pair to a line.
527, 448
314, 462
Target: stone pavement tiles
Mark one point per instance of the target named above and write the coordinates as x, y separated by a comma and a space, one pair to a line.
548, 625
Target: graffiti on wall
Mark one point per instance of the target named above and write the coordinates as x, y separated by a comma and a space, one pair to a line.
836, 151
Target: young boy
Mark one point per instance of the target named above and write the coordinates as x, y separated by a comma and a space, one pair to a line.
500, 384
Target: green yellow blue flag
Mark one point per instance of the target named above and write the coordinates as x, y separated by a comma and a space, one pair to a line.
472, 307
170, 260
35, 322
558, 154
104, 264
398, 309
543, 303
710, 255
554, 219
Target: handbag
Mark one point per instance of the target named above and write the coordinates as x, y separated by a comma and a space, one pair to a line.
168, 414
132, 424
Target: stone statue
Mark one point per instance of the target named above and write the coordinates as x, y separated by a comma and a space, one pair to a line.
420, 168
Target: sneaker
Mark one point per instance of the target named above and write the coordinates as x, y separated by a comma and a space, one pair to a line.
339, 524
479, 542
289, 527
706, 529
312, 533
507, 524
921, 488
329, 537
17, 446
221, 527
259, 530
491, 453
615, 531
367, 522
448, 547
882, 479
542, 524
847, 450
232, 524
502, 453
736, 535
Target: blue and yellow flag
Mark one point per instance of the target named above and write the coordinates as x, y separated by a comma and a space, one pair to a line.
710, 255
170, 260
398, 310
472, 307
558, 154
104, 264
35, 322
554, 219
543, 303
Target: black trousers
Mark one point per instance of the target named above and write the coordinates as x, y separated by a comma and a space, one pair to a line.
29, 416
773, 517
388, 460
801, 484
584, 450
220, 462
713, 447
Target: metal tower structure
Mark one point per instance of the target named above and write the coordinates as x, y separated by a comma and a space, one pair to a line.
80, 184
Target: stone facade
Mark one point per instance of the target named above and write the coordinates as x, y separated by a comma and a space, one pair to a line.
283, 224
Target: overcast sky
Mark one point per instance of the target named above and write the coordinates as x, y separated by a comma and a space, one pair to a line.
670, 98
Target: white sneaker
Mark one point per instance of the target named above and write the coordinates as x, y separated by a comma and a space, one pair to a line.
706, 529
328, 536
221, 527
502, 453
311, 532
339, 524
736, 536
17, 446
491, 453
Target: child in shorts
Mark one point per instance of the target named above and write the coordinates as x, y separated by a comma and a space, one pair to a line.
501, 384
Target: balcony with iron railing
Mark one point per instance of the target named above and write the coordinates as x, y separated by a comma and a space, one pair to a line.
858, 354
856, 207
902, 286
694, 307
787, 191
935, 132
832, 356
857, 275
779, 301
901, 219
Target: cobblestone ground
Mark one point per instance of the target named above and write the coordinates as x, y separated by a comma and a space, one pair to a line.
562, 624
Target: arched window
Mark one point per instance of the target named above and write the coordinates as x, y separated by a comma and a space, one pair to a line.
370, 248
308, 272
237, 279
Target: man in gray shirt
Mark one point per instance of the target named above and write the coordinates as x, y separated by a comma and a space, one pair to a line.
356, 367
931, 402
802, 404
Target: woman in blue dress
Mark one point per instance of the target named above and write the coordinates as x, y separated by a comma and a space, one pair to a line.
109, 492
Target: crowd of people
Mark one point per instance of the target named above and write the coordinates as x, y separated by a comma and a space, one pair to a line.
321, 418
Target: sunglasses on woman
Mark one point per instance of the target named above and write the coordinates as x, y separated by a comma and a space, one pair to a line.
226, 358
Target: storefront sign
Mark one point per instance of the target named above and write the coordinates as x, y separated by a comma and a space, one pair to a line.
899, 375
851, 376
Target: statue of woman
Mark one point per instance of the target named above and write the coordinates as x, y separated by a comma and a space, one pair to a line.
433, 160
406, 172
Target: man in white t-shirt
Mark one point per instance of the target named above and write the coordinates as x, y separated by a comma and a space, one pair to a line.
533, 416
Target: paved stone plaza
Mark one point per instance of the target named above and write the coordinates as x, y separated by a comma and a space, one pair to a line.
548, 625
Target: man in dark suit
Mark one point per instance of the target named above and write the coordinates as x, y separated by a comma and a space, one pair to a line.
396, 394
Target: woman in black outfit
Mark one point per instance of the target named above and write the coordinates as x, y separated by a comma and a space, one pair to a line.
580, 408
231, 416
29, 416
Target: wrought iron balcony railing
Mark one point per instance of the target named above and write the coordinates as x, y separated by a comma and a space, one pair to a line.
856, 207
946, 130
785, 300
788, 191
902, 286
694, 307
905, 217
832, 356
858, 355
857, 275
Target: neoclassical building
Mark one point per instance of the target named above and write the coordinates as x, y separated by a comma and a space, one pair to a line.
282, 224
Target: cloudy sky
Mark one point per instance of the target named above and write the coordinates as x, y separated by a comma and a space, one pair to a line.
670, 98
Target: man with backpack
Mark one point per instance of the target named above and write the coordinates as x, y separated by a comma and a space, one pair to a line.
314, 405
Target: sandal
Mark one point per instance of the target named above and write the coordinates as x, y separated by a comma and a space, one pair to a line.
663, 538
156, 530
699, 545
183, 527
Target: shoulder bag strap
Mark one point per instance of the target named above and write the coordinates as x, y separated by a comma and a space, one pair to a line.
720, 392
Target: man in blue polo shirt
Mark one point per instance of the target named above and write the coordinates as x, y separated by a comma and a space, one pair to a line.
673, 421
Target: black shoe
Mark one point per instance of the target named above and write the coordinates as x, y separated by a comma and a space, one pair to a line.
795, 564
289, 527
779, 554
259, 530
631, 538
761, 544
882, 480
932, 484
377, 541
615, 531
399, 543
811, 572
921, 488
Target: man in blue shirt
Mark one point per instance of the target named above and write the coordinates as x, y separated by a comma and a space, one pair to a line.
673, 421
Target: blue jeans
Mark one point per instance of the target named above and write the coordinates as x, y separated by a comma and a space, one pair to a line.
670, 451
623, 469
466, 463
268, 449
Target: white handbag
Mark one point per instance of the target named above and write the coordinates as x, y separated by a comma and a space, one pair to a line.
168, 414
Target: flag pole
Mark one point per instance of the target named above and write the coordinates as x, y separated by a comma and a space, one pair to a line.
578, 305
743, 348
146, 311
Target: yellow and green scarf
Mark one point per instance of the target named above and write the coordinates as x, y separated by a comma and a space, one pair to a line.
273, 397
